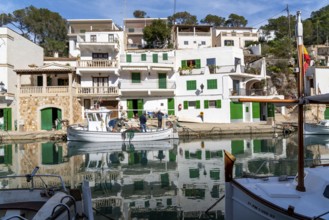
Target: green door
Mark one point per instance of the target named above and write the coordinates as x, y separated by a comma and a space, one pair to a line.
140, 105
130, 110
46, 119
162, 80
236, 110
171, 106
51, 154
7, 120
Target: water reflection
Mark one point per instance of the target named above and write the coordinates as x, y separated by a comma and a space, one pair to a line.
161, 179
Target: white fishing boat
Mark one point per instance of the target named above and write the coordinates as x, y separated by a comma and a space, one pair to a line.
33, 196
101, 128
304, 196
320, 128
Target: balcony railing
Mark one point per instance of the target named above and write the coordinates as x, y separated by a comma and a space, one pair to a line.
150, 84
97, 63
106, 90
249, 92
41, 89
137, 58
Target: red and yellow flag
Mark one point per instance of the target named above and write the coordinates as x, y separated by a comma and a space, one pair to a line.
307, 60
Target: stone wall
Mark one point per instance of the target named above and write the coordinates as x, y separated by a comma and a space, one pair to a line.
30, 110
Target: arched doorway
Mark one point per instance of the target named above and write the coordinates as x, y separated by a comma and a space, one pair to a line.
50, 118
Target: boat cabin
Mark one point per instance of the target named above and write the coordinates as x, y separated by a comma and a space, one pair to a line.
99, 119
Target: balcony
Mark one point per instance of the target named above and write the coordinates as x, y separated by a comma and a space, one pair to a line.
249, 92
45, 91
97, 91
149, 84
97, 64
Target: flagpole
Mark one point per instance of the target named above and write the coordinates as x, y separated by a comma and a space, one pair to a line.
299, 35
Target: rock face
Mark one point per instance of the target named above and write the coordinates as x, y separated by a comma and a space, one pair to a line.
312, 113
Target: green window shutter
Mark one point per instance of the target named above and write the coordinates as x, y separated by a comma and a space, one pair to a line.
214, 174
236, 110
171, 106
164, 179
237, 147
218, 103
257, 146
212, 84
128, 58
135, 77
164, 56
198, 64
191, 85
185, 104
197, 104
208, 155
184, 63
155, 58
206, 104
255, 110
162, 80
270, 109
143, 57
7, 119
194, 173
187, 154
199, 154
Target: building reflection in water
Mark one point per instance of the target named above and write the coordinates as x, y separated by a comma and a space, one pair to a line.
163, 179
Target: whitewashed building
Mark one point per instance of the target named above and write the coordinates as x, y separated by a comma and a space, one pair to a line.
15, 52
97, 43
234, 36
211, 80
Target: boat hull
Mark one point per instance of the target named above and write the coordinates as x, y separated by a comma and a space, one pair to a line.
315, 129
76, 133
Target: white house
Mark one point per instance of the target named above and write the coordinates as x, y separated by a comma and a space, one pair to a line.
211, 80
16, 52
234, 36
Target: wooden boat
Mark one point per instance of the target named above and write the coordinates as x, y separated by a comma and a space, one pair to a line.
320, 128
31, 196
101, 128
304, 196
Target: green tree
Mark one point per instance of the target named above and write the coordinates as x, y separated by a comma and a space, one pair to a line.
213, 20
44, 27
235, 20
157, 34
139, 14
183, 18
281, 26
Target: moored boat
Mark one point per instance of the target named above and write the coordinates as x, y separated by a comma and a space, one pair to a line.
101, 128
304, 196
319, 128
33, 196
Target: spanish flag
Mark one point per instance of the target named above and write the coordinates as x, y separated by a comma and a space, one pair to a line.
307, 60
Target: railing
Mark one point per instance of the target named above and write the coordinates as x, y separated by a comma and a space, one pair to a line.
249, 92
137, 58
96, 63
109, 90
150, 84
194, 34
57, 89
97, 41
31, 89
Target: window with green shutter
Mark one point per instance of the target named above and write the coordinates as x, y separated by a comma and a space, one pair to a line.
197, 104
206, 104
218, 103
198, 64
212, 84
184, 63
191, 85
143, 57
326, 113
185, 104
155, 58
164, 56
214, 174
194, 173
128, 58
237, 147
135, 77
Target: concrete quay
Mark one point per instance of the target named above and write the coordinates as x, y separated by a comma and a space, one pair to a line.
185, 130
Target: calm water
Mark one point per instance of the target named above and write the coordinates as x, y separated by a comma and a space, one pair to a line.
158, 180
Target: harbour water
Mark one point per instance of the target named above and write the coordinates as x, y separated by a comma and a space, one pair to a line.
158, 180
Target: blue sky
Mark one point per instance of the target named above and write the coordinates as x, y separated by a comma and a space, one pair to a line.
255, 11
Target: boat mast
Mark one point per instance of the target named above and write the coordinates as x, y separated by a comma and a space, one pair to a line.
299, 37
